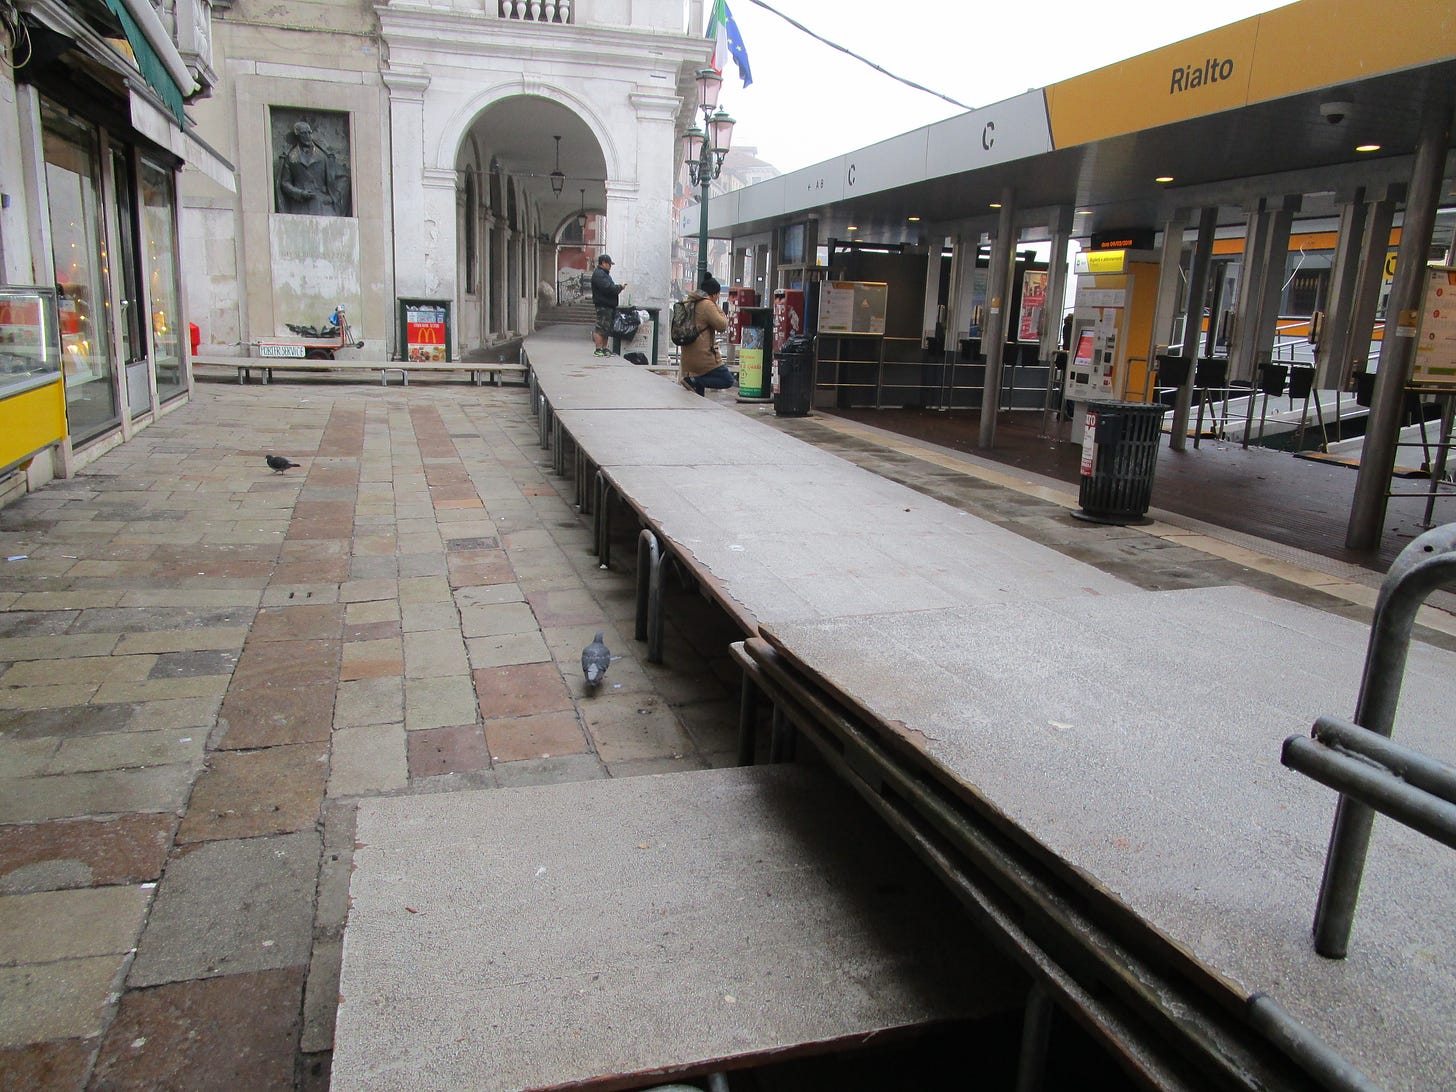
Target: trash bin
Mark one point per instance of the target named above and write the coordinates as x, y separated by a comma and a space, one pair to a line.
795, 393
1119, 455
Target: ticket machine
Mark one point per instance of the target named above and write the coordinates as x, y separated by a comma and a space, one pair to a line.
1109, 357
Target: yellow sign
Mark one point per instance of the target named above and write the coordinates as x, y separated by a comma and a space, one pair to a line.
1301, 47
1101, 261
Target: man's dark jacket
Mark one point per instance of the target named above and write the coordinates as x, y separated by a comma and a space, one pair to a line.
604, 292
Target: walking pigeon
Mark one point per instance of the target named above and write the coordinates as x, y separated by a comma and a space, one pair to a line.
595, 659
279, 464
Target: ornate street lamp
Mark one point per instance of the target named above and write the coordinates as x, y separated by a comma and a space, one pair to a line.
558, 180
704, 150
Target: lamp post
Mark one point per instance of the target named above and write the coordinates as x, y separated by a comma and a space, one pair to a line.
704, 150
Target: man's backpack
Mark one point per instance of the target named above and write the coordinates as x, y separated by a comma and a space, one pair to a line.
683, 327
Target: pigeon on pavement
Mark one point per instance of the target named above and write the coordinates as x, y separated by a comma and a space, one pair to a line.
595, 659
279, 464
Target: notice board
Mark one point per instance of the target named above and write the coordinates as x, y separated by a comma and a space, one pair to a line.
1435, 356
853, 307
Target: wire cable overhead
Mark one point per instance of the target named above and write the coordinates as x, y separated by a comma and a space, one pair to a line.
863, 60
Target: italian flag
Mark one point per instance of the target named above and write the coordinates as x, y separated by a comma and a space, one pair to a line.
727, 42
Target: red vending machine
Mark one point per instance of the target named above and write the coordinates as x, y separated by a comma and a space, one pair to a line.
788, 315
738, 297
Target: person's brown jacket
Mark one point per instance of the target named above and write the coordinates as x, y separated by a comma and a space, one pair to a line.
702, 356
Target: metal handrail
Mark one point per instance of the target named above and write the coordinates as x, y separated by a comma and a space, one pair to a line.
1428, 563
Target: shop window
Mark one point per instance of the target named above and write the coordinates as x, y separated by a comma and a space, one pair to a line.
311, 174
73, 185
159, 258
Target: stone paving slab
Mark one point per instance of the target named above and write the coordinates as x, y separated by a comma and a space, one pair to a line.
1138, 741
695, 918
227, 908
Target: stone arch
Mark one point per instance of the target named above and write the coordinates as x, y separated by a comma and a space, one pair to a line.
460, 124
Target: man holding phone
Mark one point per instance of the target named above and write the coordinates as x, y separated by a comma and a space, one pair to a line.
604, 299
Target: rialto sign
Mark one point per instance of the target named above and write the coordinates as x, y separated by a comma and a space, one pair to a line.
1213, 70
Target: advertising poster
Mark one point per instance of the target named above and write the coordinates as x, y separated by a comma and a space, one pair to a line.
1033, 303
1435, 357
424, 326
750, 361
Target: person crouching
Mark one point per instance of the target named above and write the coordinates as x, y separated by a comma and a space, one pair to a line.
700, 362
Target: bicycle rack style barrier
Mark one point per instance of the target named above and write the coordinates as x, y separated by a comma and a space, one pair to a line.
1370, 772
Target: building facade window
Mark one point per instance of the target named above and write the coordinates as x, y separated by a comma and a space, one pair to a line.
73, 185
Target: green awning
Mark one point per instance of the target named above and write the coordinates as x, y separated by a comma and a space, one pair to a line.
151, 66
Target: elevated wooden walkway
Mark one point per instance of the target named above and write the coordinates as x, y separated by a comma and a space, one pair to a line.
1092, 769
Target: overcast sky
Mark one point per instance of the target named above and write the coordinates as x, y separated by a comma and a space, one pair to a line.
809, 102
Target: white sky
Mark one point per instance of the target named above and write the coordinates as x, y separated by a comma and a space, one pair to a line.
809, 102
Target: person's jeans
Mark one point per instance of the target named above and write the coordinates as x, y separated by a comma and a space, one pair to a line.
718, 379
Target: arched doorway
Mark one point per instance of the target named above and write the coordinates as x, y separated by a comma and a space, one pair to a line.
511, 217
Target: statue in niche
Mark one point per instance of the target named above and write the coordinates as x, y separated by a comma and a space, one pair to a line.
309, 179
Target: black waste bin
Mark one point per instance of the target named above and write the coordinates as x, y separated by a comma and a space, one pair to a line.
1119, 455
796, 377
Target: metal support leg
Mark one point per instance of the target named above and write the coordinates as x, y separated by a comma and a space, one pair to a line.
649, 556
601, 514
1036, 1032
782, 738
747, 720
1428, 563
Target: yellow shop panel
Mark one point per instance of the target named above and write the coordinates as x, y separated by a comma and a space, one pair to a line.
30, 421
1203, 75
1320, 43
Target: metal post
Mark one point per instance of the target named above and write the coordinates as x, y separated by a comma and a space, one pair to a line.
747, 720
1036, 1033
1193, 325
1367, 514
993, 334
1333, 350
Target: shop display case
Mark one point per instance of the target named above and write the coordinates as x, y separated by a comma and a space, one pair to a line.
32, 396
29, 351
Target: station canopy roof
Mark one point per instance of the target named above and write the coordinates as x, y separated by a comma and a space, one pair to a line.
1272, 105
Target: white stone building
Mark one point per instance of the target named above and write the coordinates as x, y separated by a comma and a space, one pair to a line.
438, 118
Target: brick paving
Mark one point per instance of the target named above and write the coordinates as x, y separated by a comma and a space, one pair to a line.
204, 665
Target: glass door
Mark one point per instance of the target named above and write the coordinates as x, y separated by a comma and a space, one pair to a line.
73, 182
131, 307
164, 299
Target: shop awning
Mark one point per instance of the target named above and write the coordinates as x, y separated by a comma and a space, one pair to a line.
151, 65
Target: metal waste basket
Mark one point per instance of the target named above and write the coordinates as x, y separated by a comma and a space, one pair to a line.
1119, 455
795, 391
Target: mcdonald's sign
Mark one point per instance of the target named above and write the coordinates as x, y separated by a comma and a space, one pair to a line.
424, 330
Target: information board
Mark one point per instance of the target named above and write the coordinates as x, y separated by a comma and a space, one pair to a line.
853, 307
1435, 356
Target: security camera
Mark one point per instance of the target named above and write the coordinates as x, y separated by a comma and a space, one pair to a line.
1334, 112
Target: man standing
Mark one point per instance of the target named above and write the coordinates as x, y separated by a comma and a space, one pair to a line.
604, 299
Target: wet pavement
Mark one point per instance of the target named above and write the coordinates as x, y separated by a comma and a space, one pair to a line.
205, 665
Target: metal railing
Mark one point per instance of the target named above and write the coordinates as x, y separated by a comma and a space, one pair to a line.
1370, 772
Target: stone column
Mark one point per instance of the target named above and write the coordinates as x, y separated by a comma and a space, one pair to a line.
407, 159
646, 247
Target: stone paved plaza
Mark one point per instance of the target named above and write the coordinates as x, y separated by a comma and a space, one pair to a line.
204, 666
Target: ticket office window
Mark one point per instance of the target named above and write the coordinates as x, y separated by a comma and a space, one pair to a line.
73, 185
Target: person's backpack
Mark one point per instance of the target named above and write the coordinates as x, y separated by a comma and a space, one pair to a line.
683, 327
